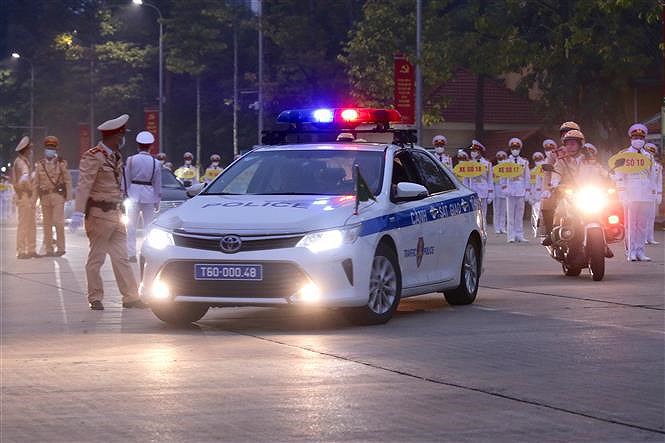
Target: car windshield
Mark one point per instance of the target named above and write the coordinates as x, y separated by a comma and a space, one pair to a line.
169, 181
300, 172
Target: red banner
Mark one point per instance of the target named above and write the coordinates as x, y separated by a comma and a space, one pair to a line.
85, 141
152, 125
405, 84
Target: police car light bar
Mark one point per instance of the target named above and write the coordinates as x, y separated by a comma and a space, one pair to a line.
340, 117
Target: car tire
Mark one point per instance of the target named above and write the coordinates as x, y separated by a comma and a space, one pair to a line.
466, 292
179, 314
385, 290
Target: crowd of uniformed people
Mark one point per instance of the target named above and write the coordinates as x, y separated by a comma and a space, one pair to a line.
512, 180
113, 193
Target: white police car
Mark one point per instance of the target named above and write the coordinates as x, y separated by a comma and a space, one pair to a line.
292, 224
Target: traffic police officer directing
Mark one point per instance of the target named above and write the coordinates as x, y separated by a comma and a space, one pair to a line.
99, 198
144, 180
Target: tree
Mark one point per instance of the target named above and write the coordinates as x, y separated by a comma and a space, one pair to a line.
583, 55
194, 41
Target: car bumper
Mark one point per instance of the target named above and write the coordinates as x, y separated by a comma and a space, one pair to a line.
340, 277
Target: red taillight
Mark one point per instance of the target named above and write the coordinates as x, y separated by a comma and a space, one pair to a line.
613, 219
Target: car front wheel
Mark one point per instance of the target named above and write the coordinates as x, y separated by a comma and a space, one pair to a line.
467, 290
385, 288
179, 314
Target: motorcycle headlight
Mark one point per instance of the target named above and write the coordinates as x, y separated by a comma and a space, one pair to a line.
159, 238
326, 240
590, 200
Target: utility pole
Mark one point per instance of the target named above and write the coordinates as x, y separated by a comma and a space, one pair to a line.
198, 123
419, 73
260, 98
235, 89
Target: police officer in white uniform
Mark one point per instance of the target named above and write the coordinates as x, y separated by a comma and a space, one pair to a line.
440, 142
144, 180
656, 191
536, 193
499, 204
516, 189
483, 184
635, 193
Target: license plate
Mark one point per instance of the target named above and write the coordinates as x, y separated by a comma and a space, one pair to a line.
216, 271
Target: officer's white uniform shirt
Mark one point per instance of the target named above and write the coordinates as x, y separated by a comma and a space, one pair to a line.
520, 185
537, 187
637, 186
656, 175
445, 160
142, 167
483, 184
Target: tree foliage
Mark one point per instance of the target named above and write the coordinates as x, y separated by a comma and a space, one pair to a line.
584, 56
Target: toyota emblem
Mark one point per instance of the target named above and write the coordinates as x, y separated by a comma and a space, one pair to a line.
230, 244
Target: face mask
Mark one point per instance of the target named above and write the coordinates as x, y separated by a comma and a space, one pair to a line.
439, 149
188, 162
500, 159
515, 152
637, 143
50, 153
161, 162
539, 161
215, 164
122, 142
474, 154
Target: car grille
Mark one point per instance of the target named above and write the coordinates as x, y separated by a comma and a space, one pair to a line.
280, 280
249, 243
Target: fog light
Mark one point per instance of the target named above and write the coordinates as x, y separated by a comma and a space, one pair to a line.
160, 290
613, 219
309, 293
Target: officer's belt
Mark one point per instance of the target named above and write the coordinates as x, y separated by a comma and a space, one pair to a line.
104, 206
137, 182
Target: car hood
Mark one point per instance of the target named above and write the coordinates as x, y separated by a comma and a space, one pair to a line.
269, 214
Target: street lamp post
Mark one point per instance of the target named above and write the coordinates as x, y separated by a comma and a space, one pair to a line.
16, 55
161, 70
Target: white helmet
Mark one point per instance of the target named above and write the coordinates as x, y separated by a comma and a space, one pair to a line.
439, 139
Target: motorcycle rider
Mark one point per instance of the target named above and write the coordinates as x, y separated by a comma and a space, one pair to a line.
516, 190
656, 191
635, 193
590, 168
483, 184
549, 201
499, 204
440, 142
567, 168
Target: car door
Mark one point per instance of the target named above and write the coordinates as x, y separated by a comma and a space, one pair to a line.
407, 222
442, 234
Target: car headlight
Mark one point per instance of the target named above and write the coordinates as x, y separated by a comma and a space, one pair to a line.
327, 240
159, 239
590, 200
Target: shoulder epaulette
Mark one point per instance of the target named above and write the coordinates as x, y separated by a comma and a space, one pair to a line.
96, 150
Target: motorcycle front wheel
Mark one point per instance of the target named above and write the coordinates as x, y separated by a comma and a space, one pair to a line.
595, 247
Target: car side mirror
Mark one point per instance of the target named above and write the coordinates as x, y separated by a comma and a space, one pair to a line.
407, 191
547, 167
195, 189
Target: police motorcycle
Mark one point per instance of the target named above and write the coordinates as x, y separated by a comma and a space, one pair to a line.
591, 220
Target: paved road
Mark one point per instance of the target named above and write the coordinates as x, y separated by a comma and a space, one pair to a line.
539, 357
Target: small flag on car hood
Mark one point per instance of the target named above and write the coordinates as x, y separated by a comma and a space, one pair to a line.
363, 193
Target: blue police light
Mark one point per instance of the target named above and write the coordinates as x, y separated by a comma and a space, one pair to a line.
323, 116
